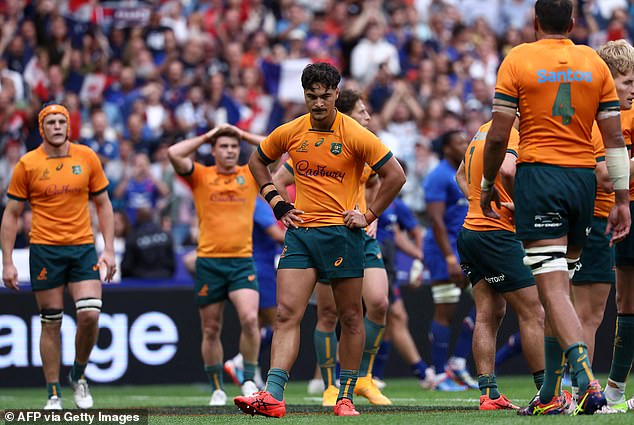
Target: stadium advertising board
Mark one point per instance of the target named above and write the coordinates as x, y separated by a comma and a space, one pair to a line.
145, 336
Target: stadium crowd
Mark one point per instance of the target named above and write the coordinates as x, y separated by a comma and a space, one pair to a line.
140, 76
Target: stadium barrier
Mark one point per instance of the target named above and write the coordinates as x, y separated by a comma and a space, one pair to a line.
150, 334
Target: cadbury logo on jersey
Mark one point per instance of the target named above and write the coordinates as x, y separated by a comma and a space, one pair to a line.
54, 189
567, 76
303, 168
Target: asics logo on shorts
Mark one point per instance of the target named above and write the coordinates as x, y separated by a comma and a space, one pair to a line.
203, 291
338, 261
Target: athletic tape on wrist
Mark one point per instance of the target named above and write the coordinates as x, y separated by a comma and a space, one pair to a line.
618, 163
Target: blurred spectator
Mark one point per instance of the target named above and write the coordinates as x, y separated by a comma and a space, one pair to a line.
154, 35
12, 121
121, 231
100, 137
140, 189
10, 155
173, 18
372, 52
149, 250
426, 66
191, 115
400, 114
139, 133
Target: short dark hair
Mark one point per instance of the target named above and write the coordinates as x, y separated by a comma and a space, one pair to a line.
225, 132
347, 100
320, 73
554, 16
444, 140
447, 137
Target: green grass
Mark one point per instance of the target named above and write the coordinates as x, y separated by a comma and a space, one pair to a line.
187, 404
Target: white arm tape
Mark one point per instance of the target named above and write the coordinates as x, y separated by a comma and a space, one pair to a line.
486, 184
618, 162
607, 114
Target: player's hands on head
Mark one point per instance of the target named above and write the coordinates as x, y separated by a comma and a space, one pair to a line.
10, 277
619, 222
291, 218
488, 196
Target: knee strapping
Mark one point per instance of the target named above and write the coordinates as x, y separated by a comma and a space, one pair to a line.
51, 315
447, 293
88, 304
546, 259
573, 264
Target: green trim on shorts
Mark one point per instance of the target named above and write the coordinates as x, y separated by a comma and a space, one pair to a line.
52, 266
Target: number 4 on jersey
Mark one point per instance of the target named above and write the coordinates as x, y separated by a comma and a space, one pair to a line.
563, 104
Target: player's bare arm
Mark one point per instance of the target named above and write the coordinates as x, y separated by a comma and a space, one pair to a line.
282, 178
617, 163
507, 173
371, 189
276, 233
283, 210
8, 233
494, 152
435, 213
180, 153
106, 226
405, 244
461, 179
603, 178
392, 180
250, 138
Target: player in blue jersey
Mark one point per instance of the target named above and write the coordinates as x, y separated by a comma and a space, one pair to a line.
446, 210
397, 228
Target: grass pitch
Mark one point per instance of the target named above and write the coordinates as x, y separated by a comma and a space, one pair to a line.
187, 404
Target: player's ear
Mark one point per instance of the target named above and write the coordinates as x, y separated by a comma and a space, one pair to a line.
572, 25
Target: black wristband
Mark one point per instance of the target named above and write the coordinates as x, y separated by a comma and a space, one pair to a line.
265, 185
282, 208
272, 194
